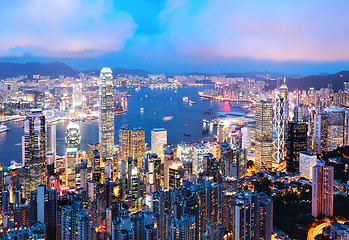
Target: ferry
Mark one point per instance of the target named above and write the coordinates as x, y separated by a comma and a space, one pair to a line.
167, 118
3, 128
118, 110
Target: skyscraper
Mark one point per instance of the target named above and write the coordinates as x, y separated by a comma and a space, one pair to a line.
72, 155
279, 130
320, 132
253, 216
34, 150
322, 189
106, 114
52, 139
158, 140
246, 137
132, 144
264, 135
296, 143
336, 127
306, 163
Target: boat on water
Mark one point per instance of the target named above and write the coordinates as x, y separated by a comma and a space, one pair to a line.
208, 111
118, 110
125, 126
167, 118
142, 109
185, 99
187, 135
3, 128
191, 102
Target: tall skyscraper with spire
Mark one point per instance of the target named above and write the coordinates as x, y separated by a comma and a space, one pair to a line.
106, 114
72, 152
34, 150
284, 94
279, 129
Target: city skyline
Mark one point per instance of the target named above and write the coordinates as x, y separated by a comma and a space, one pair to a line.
169, 120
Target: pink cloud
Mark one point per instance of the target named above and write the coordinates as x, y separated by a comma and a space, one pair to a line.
274, 30
64, 28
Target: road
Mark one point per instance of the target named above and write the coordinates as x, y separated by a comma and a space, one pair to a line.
314, 231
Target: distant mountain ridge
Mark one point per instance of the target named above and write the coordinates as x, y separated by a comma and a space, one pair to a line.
317, 81
8, 69
121, 71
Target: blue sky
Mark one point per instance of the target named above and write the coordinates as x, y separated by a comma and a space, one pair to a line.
174, 36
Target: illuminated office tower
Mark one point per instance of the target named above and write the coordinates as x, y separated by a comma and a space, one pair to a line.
138, 144
106, 114
298, 113
175, 175
296, 143
320, 132
264, 135
77, 94
284, 95
134, 182
52, 139
279, 130
322, 189
90, 148
132, 144
168, 161
199, 164
158, 140
34, 150
72, 155
336, 127
246, 137
185, 152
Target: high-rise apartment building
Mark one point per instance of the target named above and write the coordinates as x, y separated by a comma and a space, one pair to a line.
252, 216
158, 140
322, 189
34, 150
264, 135
106, 114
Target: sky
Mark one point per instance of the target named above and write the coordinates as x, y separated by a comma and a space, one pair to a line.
175, 36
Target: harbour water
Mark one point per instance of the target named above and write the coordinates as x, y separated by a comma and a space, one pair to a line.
162, 108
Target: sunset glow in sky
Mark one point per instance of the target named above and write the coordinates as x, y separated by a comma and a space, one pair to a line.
179, 35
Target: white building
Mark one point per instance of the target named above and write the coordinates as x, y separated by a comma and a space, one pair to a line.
246, 137
158, 140
306, 163
185, 152
200, 151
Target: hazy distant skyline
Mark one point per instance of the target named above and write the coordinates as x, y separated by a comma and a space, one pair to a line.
215, 36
